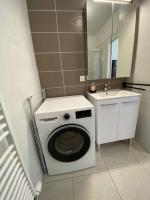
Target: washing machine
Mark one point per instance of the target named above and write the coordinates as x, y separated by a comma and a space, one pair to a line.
66, 127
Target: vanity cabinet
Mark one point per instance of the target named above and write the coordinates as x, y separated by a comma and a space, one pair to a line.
116, 118
107, 121
128, 114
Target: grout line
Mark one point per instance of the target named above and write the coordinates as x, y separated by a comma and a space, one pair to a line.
145, 170
65, 70
115, 185
36, 53
73, 188
48, 88
81, 11
117, 190
139, 162
58, 38
74, 86
101, 83
79, 32
57, 180
87, 87
49, 71
66, 86
90, 173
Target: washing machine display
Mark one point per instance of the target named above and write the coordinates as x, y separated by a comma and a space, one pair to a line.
68, 143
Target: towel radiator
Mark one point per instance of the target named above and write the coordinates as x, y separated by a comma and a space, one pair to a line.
15, 184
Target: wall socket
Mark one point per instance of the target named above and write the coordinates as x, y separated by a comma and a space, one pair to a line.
82, 78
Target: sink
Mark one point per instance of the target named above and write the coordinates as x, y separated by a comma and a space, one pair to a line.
99, 95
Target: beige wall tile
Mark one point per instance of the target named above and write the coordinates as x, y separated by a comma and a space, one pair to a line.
70, 4
74, 61
55, 92
48, 61
51, 79
45, 42
40, 4
72, 42
70, 21
77, 90
73, 77
42, 21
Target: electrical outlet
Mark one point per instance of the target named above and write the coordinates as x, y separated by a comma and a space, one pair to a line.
82, 78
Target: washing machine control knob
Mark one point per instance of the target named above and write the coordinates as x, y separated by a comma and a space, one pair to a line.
66, 116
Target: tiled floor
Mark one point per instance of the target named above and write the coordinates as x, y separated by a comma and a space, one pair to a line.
121, 173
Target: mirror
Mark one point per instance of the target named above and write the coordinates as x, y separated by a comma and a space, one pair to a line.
99, 30
110, 30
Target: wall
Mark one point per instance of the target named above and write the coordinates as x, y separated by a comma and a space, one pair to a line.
141, 73
126, 39
58, 30
18, 79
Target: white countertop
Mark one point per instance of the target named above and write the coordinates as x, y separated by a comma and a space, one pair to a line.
101, 95
58, 104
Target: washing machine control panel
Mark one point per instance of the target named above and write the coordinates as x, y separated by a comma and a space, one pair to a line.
66, 116
78, 114
83, 114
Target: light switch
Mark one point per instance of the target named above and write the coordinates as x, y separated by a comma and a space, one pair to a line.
82, 78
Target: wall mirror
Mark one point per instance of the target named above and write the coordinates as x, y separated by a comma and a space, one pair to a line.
111, 31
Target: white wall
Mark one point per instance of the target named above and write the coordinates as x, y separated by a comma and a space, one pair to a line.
18, 79
126, 35
91, 42
141, 74
105, 33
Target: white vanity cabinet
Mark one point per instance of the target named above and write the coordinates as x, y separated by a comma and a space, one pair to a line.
128, 114
116, 115
107, 121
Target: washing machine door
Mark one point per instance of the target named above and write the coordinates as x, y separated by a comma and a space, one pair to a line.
68, 143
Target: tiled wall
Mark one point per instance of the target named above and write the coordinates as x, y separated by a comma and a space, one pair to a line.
59, 37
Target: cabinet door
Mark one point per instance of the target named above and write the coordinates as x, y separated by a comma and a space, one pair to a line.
107, 121
128, 117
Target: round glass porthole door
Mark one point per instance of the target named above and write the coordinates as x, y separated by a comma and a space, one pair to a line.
68, 143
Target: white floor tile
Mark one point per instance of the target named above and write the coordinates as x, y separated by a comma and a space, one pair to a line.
129, 168
117, 155
100, 165
139, 152
132, 182
59, 190
95, 187
146, 165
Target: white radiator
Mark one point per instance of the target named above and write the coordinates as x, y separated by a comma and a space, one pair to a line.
14, 182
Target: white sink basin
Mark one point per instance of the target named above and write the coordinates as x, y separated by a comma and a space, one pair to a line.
99, 95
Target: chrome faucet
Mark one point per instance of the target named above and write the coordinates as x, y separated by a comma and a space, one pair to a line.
106, 88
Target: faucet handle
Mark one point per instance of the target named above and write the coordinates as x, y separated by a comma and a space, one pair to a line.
105, 85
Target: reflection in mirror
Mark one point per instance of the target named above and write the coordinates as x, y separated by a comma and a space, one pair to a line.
114, 56
111, 30
124, 21
99, 28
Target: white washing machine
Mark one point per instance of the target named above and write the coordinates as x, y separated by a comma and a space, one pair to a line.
66, 127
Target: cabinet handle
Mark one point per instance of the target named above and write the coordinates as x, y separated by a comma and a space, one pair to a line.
49, 119
111, 104
129, 101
